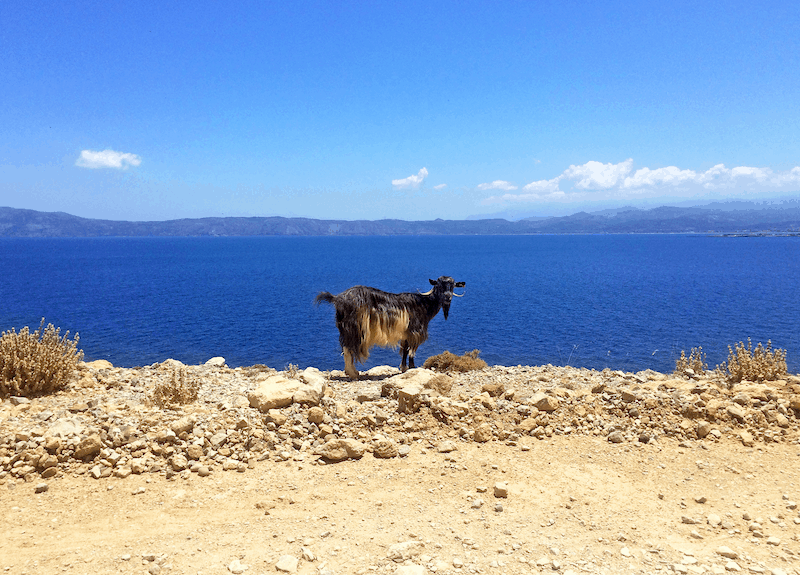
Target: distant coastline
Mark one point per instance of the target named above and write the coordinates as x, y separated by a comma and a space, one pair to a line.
743, 219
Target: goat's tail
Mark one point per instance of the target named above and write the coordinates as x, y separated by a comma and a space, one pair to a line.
324, 296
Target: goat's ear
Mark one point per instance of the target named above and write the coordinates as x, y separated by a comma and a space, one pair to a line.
433, 283
461, 284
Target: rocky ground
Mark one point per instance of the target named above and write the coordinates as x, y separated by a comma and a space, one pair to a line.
503, 470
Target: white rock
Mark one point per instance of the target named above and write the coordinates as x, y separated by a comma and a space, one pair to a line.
727, 552
287, 564
216, 362
236, 567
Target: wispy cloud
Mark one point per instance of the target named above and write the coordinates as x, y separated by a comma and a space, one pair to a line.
107, 159
497, 185
440, 187
411, 182
596, 180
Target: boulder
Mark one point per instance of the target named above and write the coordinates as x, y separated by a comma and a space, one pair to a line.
274, 392
216, 362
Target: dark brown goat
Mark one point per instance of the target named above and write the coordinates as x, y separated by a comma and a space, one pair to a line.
367, 316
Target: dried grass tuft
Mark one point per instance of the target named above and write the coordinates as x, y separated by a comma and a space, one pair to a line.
696, 362
447, 361
176, 392
36, 363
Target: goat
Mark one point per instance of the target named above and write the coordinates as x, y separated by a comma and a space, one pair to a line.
367, 317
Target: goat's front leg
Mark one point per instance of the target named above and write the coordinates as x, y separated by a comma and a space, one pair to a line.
411, 355
404, 351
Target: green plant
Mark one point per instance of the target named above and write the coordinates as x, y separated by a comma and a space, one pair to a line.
759, 364
36, 363
177, 391
696, 362
447, 361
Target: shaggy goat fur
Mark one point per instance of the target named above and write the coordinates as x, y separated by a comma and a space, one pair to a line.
367, 316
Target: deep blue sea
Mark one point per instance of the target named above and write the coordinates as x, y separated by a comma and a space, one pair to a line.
626, 302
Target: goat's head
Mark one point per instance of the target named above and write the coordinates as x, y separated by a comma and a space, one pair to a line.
443, 291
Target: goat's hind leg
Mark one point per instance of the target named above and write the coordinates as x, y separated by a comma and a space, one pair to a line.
404, 352
349, 365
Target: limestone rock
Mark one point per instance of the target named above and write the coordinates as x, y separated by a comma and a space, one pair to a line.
747, 439
287, 564
544, 402
483, 433
385, 449
65, 428
88, 447
184, 424
400, 552
316, 415
99, 364
339, 449
447, 446
216, 362
408, 398
702, 429
501, 490
274, 392
736, 413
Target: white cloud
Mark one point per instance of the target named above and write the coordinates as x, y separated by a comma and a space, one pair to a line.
412, 182
440, 187
594, 175
497, 185
598, 181
107, 159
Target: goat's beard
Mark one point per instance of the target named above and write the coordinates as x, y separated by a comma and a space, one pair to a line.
446, 310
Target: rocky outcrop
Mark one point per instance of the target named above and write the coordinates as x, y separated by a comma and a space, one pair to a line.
106, 425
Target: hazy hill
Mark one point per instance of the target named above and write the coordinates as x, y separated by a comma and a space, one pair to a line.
738, 217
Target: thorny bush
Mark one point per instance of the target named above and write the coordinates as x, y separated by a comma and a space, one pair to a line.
36, 363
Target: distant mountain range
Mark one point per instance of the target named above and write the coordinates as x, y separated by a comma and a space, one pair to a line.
719, 218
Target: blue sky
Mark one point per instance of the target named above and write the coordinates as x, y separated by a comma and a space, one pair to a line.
412, 110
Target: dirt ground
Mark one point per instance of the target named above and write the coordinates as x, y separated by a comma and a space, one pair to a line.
567, 503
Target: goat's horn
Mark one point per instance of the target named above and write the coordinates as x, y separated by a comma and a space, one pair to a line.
426, 293
459, 295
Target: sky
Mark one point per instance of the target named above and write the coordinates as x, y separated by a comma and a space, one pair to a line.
408, 110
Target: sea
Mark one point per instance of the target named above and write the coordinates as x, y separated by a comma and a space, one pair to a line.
627, 302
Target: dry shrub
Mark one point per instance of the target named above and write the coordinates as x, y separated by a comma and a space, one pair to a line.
178, 391
292, 371
759, 364
447, 361
696, 362
36, 363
